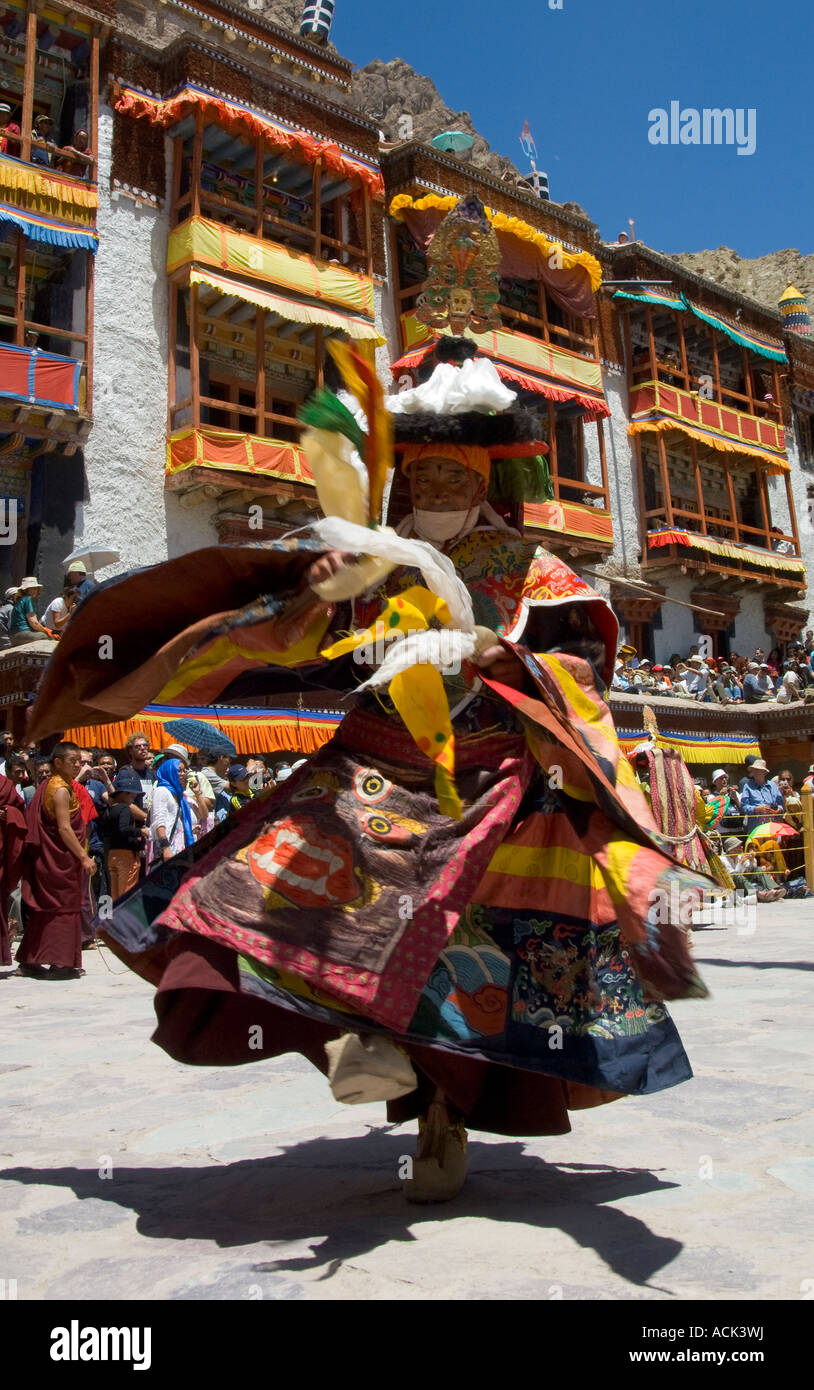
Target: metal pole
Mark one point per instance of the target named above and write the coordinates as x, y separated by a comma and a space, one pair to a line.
807, 798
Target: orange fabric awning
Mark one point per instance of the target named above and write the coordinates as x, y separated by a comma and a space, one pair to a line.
245, 120
254, 731
244, 453
655, 406
294, 310
570, 519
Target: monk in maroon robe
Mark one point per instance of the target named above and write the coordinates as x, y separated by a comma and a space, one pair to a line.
56, 870
12, 839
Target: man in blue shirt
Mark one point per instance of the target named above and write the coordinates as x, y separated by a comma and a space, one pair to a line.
78, 576
760, 799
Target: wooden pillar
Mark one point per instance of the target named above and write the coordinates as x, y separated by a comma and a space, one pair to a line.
27, 118
764, 506
93, 104
716, 365
699, 487
747, 377
733, 501
368, 230
643, 519
651, 342
194, 358
260, 371
197, 160
665, 478
177, 162
19, 299
552, 448
318, 355
259, 159
90, 272
628, 346
682, 347
603, 461
172, 348
792, 513
316, 185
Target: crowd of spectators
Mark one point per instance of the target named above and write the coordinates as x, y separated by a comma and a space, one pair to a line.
771, 864
20, 619
148, 806
72, 159
728, 680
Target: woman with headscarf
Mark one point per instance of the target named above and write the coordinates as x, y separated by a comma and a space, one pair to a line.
788, 689
172, 819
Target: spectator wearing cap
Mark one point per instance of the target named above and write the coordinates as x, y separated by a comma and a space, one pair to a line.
629, 656
123, 837
6, 610
697, 678
645, 677
24, 625
760, 798
727, 686
663, 678
43, 129
80, 581
757, 684
237, 793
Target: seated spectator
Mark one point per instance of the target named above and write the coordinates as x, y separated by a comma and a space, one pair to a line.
727, 686
697, 678
760, 799
75, 168
237, 793
808, 641
24, 625
664, 682
645, 678
59, 609
43, 129
80, 581
629, 656
789, 689
757, 684
6, 610
8, 145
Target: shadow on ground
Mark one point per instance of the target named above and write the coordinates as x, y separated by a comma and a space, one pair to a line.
347, 1191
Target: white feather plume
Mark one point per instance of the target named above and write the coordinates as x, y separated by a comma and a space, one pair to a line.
437, 569
444, 649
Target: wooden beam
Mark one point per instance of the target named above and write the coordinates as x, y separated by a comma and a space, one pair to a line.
764, 506
316, 186
90, 273
665, 476
716, 365
259, 161
19, 298
194, 357
172, 348
368, 230
603, 461
177, 164
552, 448
93, 104
651, 342
733, 501
27, 119
319, 356
197, 160
260, 370
682, 346
699, 487
792, 513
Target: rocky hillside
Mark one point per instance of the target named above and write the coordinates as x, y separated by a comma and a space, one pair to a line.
408, 106
764, 278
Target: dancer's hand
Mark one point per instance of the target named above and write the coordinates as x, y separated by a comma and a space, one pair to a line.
326, 566
503, 666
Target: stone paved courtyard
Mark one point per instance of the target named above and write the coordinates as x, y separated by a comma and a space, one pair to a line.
126, 1175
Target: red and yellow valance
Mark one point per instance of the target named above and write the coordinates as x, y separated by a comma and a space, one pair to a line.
765, 559
242, 453
655, 406
294, 310
552, 250
211, 243
570, 519
33, 189
526, 362
238, 119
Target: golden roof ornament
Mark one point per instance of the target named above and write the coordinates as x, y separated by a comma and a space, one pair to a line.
462, 289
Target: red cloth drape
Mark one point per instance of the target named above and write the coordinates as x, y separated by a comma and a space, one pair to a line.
12, 839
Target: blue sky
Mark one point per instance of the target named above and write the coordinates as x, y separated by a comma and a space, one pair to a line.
586, 78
